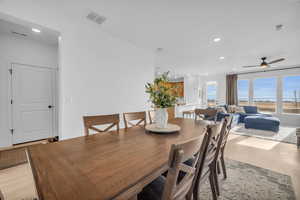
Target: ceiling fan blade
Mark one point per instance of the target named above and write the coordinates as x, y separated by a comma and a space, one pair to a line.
251, 66
276, 61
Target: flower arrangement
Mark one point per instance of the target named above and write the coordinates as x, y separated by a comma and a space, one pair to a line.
161, 94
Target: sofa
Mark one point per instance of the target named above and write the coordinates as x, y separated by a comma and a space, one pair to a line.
250, 111
252, 118
262, 123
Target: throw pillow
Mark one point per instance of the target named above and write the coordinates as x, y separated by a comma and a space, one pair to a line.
239, 109
221, 109
231, 108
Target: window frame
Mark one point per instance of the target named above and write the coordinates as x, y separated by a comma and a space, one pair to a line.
279, 89
276, 90
249, 83
281, 96
211, 83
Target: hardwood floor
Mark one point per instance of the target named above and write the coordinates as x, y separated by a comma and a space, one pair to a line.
280, 157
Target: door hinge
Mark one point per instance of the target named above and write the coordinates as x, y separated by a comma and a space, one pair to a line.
10, 71
12, 131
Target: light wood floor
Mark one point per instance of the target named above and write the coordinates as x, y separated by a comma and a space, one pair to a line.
280, 157
17, 182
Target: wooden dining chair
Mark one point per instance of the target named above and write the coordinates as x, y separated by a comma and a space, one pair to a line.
223, 145
134, 116
205, 114
171, 187
151, 115
91, 121
208, 163
1, 196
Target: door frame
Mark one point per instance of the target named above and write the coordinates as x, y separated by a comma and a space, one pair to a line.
55, 97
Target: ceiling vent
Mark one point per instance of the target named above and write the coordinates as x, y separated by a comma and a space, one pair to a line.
19, 34
96, 18
279, 27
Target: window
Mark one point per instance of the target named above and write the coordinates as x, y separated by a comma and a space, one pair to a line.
243, 92
264, 94
211, 91
291, 94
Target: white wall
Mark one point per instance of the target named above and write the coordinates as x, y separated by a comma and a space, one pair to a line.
24, 51
99, 73
192, 85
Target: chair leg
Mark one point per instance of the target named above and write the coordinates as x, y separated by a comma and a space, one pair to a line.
223, 166
212, 186
216, 181
218, 167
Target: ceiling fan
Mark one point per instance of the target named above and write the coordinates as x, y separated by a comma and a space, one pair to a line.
265, 64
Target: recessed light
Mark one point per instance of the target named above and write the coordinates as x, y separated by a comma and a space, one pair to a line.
221, 57
217, 39
36, 30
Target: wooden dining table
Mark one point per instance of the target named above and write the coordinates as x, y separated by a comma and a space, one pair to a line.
111, 165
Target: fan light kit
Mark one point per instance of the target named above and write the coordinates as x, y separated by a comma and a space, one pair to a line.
217, 39
36, 30
265, 64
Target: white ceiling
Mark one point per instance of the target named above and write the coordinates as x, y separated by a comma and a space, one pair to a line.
46, 36
185, 29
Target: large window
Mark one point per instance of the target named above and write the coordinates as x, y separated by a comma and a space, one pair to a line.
243, 92
264, 94
211, 91
291, 94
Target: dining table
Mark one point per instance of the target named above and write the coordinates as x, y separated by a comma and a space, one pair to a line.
104, 166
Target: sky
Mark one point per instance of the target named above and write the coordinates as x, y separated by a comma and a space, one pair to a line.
265, 88
211, 91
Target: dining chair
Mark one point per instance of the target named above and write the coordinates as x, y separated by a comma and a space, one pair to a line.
134, 116
151, 115
1, 196
91, 121
171, 187
208, 164
223, 145
205, 114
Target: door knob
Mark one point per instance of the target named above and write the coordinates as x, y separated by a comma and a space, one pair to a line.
49, 106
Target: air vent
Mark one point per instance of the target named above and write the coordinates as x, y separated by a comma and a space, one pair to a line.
19, 34
96, 18
278, 27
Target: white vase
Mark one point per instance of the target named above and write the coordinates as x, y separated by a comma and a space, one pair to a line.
161, 117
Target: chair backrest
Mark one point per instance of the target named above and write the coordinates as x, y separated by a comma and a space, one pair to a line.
178, 155
151, 115
1, 196
209, 155
205, 112
91, 121
133, 116
229, 120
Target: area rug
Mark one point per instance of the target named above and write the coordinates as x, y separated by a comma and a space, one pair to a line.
285, 134
248, 182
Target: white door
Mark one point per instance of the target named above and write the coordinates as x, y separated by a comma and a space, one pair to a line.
32, 103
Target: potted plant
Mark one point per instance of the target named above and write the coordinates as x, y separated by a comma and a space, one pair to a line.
162, 97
